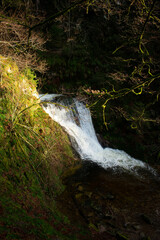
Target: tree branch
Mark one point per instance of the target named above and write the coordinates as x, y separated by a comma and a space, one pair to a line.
144, 26
51, 18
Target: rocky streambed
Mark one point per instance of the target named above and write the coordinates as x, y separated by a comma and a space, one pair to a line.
112, 205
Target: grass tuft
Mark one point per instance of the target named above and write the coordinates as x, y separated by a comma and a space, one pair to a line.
34, 150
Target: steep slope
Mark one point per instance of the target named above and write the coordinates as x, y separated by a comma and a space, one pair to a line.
33, 150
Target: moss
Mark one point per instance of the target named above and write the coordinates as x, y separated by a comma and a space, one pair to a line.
71, 171
34, 149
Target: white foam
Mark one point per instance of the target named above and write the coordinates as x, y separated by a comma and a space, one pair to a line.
78, 124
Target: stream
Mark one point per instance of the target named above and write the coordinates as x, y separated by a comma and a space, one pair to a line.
112, 194
76, 120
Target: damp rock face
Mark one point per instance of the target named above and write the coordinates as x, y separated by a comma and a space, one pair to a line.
113, 205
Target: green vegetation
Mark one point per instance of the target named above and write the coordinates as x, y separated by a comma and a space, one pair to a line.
105, 47
33, 151
106, 52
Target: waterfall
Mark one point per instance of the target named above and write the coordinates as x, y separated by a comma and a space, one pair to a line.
76, 120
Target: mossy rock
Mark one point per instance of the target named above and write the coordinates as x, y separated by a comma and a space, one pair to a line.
71, 171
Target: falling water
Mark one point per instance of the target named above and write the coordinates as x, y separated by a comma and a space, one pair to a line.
76, 119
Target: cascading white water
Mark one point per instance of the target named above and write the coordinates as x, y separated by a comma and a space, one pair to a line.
76, 120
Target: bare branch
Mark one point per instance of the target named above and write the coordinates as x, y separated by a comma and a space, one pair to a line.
53, 17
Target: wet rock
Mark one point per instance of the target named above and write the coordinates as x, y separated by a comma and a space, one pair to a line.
70, 172
104, 143
113, 203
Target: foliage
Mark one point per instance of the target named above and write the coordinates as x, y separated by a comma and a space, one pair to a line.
108, 46
31, 160
105, 50
110, 50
